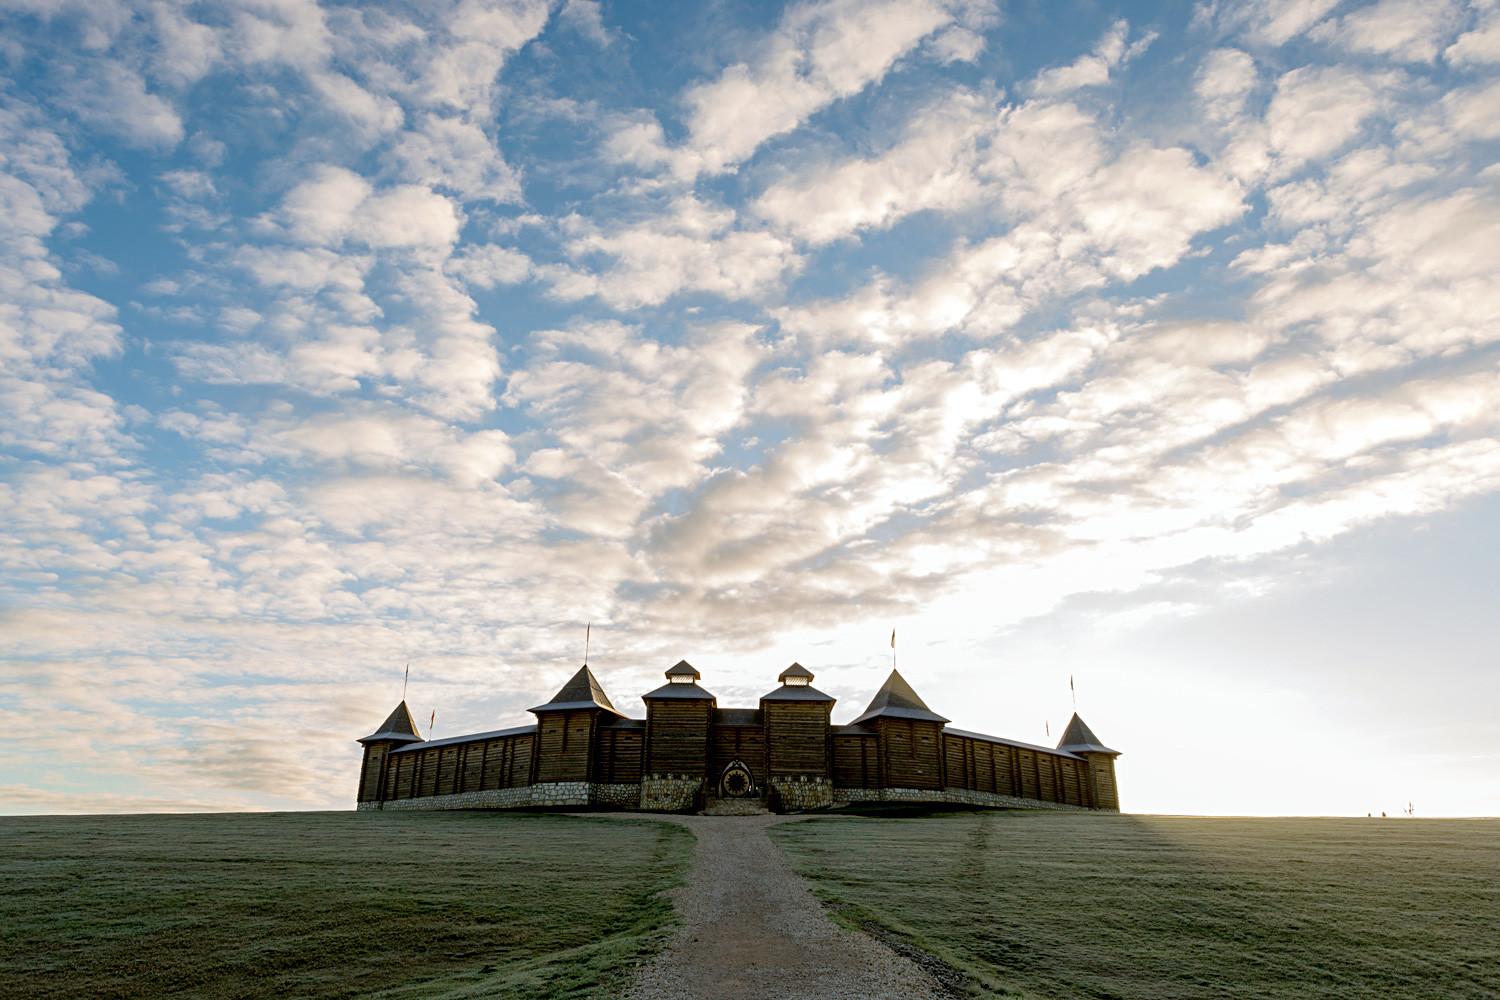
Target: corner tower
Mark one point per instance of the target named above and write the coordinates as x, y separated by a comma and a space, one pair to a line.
397, 730
567, 730
1079, 739
910, 736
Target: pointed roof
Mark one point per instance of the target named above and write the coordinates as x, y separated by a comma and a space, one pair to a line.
682, 668
399, 726
1079, 738
582, 691
796, 670
896, 699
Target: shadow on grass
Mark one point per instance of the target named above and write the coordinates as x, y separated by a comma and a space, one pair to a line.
1097, 905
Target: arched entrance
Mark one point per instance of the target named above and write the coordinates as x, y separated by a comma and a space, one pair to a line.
737, 781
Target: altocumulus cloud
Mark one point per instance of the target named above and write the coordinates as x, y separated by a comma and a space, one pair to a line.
336, 336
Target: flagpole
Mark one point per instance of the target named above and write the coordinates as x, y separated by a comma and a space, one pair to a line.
405, 681
586, 630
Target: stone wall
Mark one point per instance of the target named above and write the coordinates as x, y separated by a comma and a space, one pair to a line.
625, 796
957, 796
493, 798
671, 793
795, 795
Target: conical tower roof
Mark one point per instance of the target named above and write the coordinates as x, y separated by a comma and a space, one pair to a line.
399, 725
583, 690
1079, 738
896, 699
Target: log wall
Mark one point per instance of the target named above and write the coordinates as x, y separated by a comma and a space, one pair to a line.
911, 753
565, 745
796, 738
455, 768
856, 760
1003, 769
620, 753
677, 736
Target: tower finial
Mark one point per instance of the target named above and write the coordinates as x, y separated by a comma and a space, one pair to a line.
586, 630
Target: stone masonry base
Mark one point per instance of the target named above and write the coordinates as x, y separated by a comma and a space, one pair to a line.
670, 793
956, 796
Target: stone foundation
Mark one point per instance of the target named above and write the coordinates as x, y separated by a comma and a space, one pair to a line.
956, 796
671, 793
798, 794
493, 798
620, 795
554, 793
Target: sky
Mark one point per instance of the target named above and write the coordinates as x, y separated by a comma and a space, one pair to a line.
1138, 354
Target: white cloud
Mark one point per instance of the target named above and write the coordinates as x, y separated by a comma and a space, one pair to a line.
819, 53
1480, 46
1316, 111
1276, 22
1224, 82
452, 153
1408, 30
694, 246
337, 204
1088, 71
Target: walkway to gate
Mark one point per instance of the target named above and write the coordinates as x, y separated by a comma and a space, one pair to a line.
751, 929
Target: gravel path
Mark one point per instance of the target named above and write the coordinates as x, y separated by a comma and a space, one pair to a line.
751, 929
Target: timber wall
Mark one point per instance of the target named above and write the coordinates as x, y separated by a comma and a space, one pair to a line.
911, 753
450, 769
677, 736
796, 738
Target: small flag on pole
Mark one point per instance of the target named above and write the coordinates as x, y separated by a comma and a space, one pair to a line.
430, 722
893, 638
1049, 729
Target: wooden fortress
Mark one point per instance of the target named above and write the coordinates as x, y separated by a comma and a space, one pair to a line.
688, 752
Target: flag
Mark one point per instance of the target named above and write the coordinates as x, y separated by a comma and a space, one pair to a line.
893, 638
1070, 682
1049, 729
430, 722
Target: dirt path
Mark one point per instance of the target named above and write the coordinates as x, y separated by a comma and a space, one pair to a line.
752, 929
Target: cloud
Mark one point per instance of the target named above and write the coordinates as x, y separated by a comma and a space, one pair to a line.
1405, 30
693, 246
1479, 46
1316, 111
337, 204
932, 168
1080, 218
455, 154
819, 53
1089, 71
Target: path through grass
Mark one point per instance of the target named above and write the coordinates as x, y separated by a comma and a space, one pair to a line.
396, 905
1069, 905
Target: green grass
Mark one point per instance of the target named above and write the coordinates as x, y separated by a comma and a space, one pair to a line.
394, 905
1071, 905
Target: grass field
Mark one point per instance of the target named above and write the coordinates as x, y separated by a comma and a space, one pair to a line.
393, 905
1069, 905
